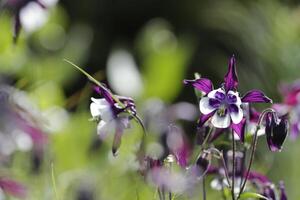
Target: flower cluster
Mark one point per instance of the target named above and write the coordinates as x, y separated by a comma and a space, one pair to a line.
222, 110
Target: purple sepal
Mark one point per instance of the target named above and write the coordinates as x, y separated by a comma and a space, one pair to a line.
105, 93
239, 129
231, 79
256, 96
13, 188
202, 84
204, 118
121, 124
258, 177
283, 195
269, 192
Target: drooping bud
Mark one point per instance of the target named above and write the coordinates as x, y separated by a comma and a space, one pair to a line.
276, 130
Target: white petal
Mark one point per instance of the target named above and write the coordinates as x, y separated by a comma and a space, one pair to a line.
100, 102
101, 108
213, 92
103, 128
33, 16
95, 112
205, 108
237, 117
221, 122
238, 99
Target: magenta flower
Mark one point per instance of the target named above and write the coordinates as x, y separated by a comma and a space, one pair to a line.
12, 187
223, 106
291, 106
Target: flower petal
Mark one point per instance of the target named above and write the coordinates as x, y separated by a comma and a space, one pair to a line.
205, 107
236, 113
106, 94
255, 176
101, 108
204, 118
283, 195
13, 188
256, 96
239, 129
231, 79
103, 128
221, 121
202, 84
216, 94
233, 98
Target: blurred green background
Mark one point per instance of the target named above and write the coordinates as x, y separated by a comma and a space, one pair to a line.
143, 49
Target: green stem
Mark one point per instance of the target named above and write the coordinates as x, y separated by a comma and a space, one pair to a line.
233, 166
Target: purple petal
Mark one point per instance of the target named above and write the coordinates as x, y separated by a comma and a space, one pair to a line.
202, 84
283, 195
231, 79
233, 108
215, 103
254, 115
269, 192
204, 118
105, 93
255, 176
239, 129
12, 187
256, 96
294, 131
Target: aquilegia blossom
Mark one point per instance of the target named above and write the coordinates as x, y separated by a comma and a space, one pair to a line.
223, 106
111, 115
29, 14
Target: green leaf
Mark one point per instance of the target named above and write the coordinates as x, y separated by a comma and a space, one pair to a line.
249, 195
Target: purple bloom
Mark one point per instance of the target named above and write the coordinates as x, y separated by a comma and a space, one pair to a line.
276, 130
291, 106
12, 188
223, 106
108, 112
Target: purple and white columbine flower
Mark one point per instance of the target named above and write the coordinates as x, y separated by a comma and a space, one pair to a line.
111, 115
223, 106
28, 14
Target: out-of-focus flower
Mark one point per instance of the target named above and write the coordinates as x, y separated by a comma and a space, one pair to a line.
20, 127
223, 105
12, 187
291, 106
111, 115
178, 145
276, 130
28, 14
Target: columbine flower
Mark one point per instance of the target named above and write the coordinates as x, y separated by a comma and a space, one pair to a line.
111, 115
223, 106
276, 130
29, 14
291, 106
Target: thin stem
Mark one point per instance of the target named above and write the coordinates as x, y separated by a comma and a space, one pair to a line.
159, 194
207, 137
225, 169
254, 144
233, 166
203, 188
170, 196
